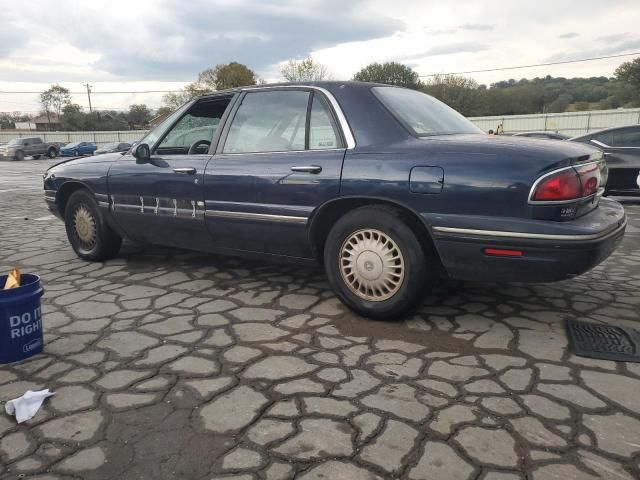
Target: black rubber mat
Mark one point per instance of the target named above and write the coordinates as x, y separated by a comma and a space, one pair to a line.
605, 342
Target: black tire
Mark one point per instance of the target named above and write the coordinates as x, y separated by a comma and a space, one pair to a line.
104, 243
419, 262
19, 155
37, 157
52, 153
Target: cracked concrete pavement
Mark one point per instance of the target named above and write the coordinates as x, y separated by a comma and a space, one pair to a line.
173, 364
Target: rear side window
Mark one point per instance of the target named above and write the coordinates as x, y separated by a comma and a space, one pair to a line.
422, 114
629, 138
322, 131
605, 138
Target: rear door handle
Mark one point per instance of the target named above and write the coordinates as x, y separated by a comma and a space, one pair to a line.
187, 170
307, 169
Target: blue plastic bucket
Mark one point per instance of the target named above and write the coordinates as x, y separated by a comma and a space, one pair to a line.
20, 319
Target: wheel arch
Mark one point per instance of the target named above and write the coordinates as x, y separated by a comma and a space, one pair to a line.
66, 190
327, 214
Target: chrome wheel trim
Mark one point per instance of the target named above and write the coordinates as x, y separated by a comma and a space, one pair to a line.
372, 265
84, 226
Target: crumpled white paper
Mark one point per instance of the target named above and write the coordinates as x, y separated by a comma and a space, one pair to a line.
26, 406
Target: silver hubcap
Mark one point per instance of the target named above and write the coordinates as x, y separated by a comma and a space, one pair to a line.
85, 227
372, 265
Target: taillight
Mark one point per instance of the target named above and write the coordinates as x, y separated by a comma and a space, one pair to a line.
590, 178
568, 184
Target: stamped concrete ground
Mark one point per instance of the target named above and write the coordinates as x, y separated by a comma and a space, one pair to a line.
170, 364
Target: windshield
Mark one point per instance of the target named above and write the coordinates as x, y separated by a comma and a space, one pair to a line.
423, 115
71, 145
15, 141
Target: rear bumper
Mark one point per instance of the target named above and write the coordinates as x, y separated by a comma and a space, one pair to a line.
547, 256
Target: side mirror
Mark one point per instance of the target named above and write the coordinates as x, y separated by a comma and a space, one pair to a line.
142, 153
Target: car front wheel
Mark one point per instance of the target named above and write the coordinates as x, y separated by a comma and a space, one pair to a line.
377, 264
90, 236
19, 155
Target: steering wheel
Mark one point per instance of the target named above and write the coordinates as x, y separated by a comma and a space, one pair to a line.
194, 146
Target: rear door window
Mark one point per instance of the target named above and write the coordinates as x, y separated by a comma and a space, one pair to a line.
269, 121
628, 138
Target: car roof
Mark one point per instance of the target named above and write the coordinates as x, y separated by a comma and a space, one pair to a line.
331, 86
605, 130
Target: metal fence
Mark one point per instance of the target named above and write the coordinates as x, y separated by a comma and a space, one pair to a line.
569, 123
99, 138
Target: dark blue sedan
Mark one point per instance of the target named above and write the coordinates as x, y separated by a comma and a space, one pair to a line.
77, 149
387, 187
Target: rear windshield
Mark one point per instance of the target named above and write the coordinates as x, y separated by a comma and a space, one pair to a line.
423, 115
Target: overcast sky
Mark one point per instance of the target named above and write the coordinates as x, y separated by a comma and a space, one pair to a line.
163, 44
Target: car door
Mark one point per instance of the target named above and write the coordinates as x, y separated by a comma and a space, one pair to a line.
161, 201
279, 158
622, 151
28, 147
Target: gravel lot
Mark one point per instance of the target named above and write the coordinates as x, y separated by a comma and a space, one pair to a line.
171, 364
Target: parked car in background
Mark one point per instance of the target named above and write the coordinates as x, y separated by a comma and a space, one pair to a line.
18, 148
543, 134
78, 149
113, 147
621, 147
387, 187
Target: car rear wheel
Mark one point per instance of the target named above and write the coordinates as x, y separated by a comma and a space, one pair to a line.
90, 236
52, 153
19, 155
377, 264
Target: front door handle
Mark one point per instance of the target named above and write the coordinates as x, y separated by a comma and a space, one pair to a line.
307, 169
187, 170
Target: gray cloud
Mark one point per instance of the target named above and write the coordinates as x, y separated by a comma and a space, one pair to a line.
444, 49
616, 37
181, 38
613, 49
569, 35
476, 27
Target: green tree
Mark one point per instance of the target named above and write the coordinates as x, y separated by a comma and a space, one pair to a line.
391, 73
304, 70
73, 118
230, 75
460, 93
629, 72
220, 77
139, 114
54, 99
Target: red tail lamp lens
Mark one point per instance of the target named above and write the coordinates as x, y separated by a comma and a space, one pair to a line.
569, 184
564, 185
590, 178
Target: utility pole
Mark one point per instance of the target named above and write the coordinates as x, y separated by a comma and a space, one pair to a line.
89, 96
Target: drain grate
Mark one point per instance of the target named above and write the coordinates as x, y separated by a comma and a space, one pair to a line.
606, 342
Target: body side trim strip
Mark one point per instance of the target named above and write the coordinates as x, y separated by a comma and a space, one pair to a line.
256, 216
534, 236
